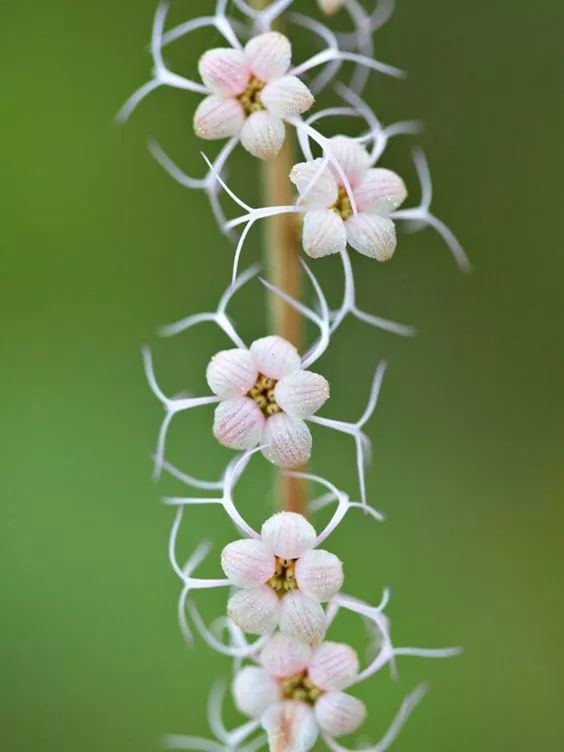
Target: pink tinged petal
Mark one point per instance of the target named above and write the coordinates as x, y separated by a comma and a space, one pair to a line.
256, 610
287, 97
334, 666
247, 563
291, 727
269, 55
302, 393
338, 713
254, 691
373, 236
288, 441
231, 373
217, 118
263, 134
302, 617
317, 179
353, 158
284, 656
319, 574
288, 535
381, 191
275, 356
224, 71
324, 233
238, 423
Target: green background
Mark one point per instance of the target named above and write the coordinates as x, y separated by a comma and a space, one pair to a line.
99, 247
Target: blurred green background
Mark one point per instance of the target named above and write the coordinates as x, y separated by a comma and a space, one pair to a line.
100, 246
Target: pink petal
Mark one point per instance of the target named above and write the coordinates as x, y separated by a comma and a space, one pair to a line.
247, 563
224, 71
319, 574
283, 656
352, 157
231, 373
263, 134
334, 666
316, 179
323, 233
275, 357
288, 535
338, 713
287, 441
291, 727
254, 691
301, 393
302, 617
269, 55
287, 97
373, 236
381, 191
255, 610
216, 118
238, 423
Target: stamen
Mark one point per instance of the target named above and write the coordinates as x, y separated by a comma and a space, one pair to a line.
263, 394
284, 578
250, 98
343, 205
301, 689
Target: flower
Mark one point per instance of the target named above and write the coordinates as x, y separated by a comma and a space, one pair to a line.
358, 213
296, 692
265, 398
251, 94
330, 6
282, 579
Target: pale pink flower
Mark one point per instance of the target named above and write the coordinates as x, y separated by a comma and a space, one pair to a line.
282, 579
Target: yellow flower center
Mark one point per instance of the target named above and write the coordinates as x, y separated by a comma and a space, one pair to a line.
263, 394
300, 688
284, 578
250, 98
343, 204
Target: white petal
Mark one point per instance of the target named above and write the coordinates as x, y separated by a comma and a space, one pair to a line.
238, 423
373, 236
331, 6
216, 117
287, 97
323, 233
302, 617
231, 373
316, 178
319, 574
263, 134
353, 158
247, 563
288, 441
255, 610
288, 535
333, 666
275, 357
291, 727
284, 656
338, 713
269, 55
302, 393
254, 691
225, 71
381, 191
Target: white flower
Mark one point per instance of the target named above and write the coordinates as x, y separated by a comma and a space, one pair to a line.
358, 213
330, 6
265, 396
296, 693
251, 94
283, 579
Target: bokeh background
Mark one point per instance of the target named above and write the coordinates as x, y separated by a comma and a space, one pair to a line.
99, 247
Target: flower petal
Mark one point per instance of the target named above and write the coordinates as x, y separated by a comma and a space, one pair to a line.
333, 666
319, 574
247, 563
353, 158
301, 393
373, 236
291, 727
283, 656
288, 441
231, 373
338, 713
216, 118
255, 610
331, 6
275, 357
254, 691
302, 617
225, 71
381, 191
316, 178
269, 55
288, 535
287, 97
263, 134
238, 423
323, 233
